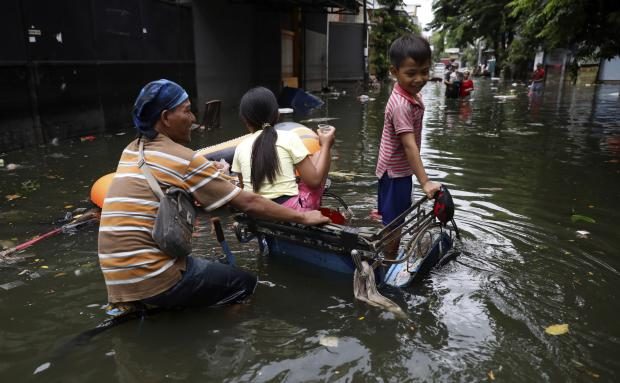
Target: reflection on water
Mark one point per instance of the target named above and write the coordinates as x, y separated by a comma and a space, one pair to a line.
519, 167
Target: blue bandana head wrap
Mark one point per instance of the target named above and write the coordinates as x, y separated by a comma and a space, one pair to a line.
154, 98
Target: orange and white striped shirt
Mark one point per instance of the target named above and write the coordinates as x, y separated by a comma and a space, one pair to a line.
133, 266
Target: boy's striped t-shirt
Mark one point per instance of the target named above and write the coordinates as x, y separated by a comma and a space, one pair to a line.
132, 265
403, 114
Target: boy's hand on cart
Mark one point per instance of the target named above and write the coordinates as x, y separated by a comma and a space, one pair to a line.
314, 217
430, 188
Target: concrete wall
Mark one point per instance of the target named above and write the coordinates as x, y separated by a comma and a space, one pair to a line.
345, 52
315, 60
610, 70
71, 68
315, 51
236, 47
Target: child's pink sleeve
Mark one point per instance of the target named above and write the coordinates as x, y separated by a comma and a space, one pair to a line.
403, 117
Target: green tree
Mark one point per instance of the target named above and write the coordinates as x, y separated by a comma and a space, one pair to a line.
589, 29
390, 22
466, 21
516, 29
438, 43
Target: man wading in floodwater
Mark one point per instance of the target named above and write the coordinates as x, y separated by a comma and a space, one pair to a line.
134, 268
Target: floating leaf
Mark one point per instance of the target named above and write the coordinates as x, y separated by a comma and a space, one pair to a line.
557, 329
30, 185
361, 318
578, 217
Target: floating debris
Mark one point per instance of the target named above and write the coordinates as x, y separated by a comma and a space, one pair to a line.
42, 368
583, 234
319, 119
11, 285
267, 283
328, 341
57, 155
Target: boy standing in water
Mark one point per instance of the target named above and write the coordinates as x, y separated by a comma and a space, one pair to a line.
399, 152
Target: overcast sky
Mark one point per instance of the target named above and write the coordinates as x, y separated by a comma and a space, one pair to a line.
425, 12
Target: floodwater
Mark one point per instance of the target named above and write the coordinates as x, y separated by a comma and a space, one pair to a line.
536, 182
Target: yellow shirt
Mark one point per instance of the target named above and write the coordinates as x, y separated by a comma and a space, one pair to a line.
291, 151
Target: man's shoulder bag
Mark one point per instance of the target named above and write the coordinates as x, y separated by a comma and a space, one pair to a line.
174, 223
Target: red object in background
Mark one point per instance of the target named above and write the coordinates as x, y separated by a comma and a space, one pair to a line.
374, 215
334, 215
87, 138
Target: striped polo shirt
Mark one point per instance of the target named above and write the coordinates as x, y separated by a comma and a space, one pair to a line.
133, 267
403, 114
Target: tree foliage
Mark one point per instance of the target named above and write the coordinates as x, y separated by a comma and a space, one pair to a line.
389, 23
590, 29
516, 29
469, 20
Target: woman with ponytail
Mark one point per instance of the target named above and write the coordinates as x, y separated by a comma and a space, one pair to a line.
267, 160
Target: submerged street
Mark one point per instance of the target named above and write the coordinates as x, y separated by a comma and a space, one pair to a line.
536, 183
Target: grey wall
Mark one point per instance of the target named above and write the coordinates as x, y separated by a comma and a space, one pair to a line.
345, 52
315, 60
610, 70
236, 47
315, 51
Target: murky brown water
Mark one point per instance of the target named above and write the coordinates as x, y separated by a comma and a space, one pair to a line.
519, 169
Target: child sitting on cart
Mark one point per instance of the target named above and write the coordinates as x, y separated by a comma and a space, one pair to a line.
267, 160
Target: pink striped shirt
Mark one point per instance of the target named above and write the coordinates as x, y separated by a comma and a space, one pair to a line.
403, 114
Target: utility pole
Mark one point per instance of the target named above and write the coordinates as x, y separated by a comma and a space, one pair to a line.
365, 45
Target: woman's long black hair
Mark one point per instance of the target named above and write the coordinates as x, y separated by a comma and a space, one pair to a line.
259, 109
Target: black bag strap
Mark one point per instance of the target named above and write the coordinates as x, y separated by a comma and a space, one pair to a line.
147, 172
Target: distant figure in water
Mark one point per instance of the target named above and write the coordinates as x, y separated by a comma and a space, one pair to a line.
467, 85
538, 78
451, 82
